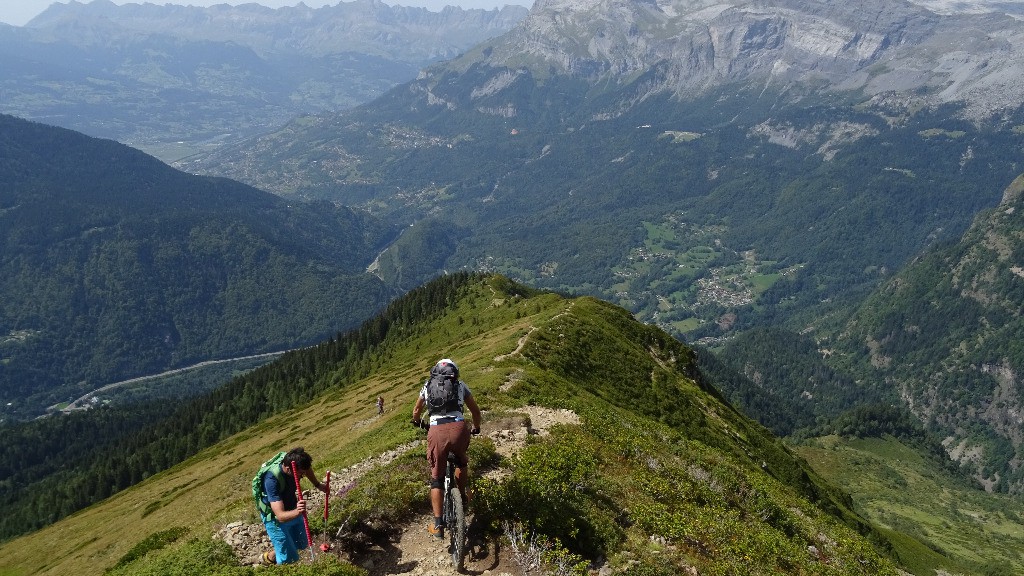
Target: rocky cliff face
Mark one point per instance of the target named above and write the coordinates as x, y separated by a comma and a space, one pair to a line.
685, 47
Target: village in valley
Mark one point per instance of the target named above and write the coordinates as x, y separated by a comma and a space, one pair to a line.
699, 279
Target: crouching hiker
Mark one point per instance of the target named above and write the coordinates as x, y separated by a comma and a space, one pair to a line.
275, 491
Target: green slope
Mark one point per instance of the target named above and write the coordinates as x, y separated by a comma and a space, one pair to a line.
659, 460
896, 488
942, 337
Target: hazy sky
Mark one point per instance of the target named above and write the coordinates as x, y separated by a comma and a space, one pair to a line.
18, 12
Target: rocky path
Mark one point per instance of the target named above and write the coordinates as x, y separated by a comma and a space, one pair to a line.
413, 551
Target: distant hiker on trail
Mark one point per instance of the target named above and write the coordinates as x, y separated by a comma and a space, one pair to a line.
279, 506
444, 395
380, 405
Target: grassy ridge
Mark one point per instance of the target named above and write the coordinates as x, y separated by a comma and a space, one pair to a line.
659, 461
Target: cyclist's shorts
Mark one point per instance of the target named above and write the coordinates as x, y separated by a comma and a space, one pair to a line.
443, 438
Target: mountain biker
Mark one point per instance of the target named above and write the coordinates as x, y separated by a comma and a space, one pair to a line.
448, 433
284, 526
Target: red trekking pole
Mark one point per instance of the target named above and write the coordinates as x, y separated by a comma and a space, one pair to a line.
324, 547
305, 519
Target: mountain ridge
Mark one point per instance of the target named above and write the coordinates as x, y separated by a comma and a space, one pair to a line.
714, 487
685, 48
357, 26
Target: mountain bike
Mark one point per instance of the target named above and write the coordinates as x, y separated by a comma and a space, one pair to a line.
452, 507
454, 513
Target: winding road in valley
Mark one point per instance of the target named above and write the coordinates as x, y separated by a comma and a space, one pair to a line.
80, 402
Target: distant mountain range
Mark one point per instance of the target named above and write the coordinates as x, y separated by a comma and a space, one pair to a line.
972, 6
714, 167
872, 48
171, 79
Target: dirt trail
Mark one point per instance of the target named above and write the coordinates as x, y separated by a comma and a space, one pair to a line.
413, 550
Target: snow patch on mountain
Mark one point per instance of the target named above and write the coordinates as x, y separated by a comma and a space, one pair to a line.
972, 7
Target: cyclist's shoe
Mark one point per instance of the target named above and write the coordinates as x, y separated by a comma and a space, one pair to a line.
436, 530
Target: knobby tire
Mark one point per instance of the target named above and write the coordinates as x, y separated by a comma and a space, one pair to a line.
456, 526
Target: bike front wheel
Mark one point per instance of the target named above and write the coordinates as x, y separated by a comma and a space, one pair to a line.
456, 526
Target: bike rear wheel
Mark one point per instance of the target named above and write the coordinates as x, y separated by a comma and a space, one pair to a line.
456, 521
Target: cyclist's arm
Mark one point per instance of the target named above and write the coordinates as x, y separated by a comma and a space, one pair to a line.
474, 410
417, 409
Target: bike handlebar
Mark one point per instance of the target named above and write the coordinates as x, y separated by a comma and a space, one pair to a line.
426, 426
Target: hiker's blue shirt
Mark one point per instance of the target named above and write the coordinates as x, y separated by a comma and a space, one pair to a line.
277, 493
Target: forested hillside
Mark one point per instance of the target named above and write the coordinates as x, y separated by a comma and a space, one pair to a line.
114, 265
696, 233
657, 461
947, 334
85, 457
941, 337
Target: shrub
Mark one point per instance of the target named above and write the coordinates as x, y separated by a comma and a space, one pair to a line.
154, 541
550, 494
533, 551
197, 557
209, 557
388, 494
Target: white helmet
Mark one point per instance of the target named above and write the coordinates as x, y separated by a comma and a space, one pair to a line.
448, 361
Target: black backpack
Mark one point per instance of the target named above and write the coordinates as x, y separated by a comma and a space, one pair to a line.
443, 389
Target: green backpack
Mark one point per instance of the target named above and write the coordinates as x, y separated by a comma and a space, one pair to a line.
274, 467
